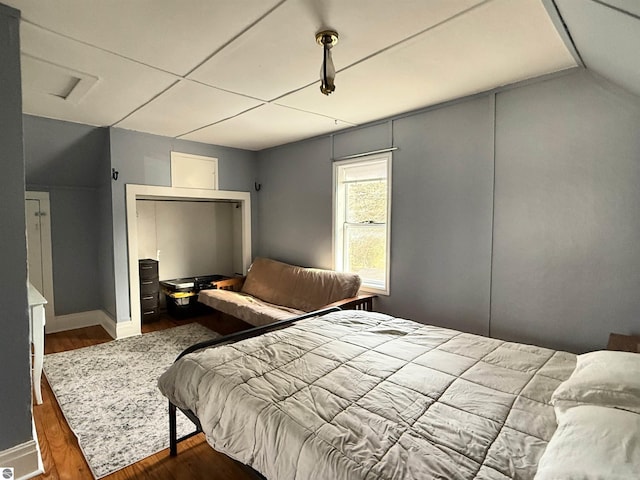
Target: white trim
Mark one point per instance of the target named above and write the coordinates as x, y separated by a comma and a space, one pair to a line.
127, 329
151, 192
71, 321
115, 329
110, 325
45, 244
24, 458
89, 318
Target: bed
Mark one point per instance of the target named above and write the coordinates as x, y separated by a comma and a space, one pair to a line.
363, 395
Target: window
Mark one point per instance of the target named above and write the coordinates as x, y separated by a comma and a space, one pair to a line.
362, 194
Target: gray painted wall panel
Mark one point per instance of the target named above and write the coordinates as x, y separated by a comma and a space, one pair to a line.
566, 266
15, 378
66, 159
441, 211
145, 159
105, 234
295, 214
74, 245
362, 140
441, 216
62, 153
565, 270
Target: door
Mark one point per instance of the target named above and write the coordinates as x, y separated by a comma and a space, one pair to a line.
39, 259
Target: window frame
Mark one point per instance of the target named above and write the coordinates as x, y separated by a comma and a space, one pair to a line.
337, 237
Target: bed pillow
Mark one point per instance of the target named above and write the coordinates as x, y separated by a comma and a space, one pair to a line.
593, 442
605, 378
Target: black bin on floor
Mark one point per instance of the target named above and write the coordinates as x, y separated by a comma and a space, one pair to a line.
181, 295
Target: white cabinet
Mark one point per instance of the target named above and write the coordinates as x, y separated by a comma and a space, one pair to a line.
194, 171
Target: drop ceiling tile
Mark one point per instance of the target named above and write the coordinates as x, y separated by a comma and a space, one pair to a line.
172, 35
186, 106
495, 44
280, 53
266, 126
607, 41
630, 6
121, 85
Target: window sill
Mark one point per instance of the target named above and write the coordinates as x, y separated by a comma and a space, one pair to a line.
377, 291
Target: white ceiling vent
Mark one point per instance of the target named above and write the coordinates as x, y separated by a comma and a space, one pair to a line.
50, 79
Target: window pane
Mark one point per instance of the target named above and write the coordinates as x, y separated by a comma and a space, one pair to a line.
366, 202
365, 249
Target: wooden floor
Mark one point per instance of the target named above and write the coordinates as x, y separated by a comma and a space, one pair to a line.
61, 454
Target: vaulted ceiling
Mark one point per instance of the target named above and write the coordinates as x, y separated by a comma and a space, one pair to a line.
244, 73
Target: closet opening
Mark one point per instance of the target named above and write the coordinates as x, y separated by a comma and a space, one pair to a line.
189, 232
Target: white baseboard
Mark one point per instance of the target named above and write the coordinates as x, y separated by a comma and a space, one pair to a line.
127, 329
93, 317
109, 324
71, 321
24, 458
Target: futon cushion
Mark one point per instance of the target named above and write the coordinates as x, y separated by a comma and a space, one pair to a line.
245, 307
305, 289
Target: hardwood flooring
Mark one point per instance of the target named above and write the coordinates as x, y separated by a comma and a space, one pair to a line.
61, 455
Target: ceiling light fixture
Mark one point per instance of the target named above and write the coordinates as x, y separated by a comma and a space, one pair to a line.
327, 39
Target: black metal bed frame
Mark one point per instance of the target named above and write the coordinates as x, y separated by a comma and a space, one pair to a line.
234, 337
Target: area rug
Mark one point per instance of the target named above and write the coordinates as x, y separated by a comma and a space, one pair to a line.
108, 395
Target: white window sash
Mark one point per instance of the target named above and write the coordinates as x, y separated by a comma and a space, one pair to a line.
340, 225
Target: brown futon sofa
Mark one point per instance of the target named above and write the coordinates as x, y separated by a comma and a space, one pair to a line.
273, 291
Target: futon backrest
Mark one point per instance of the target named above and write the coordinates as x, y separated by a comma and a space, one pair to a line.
301, 288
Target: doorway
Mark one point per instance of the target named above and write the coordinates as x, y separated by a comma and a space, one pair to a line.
39, 258
134, 193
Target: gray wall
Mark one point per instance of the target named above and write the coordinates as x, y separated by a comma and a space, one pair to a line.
105, 233
145, 159
74, 248
294, 215
65, 159
15, 378
567, 225
441, 216
559, 266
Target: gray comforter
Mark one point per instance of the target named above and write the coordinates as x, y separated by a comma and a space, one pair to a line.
360, 395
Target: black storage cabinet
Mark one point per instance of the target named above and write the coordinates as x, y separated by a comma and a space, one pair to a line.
149, 290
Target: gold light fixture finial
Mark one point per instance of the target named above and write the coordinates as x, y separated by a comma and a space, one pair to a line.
327, 39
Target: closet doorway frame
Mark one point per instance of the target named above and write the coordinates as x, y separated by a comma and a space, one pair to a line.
150, 192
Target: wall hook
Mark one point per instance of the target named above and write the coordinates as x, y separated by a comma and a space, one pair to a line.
114, 174
257, 186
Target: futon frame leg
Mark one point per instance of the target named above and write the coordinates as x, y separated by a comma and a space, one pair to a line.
173, 431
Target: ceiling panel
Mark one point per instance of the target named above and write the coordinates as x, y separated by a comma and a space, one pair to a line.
280, 54
172, 35
123, 62
464, 56
630, 6
264, 127
186, 106
607, 40
121, 85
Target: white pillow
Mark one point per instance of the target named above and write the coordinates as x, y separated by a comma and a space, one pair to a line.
591, 443
605, 378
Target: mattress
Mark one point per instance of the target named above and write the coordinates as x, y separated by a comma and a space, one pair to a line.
362, 395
